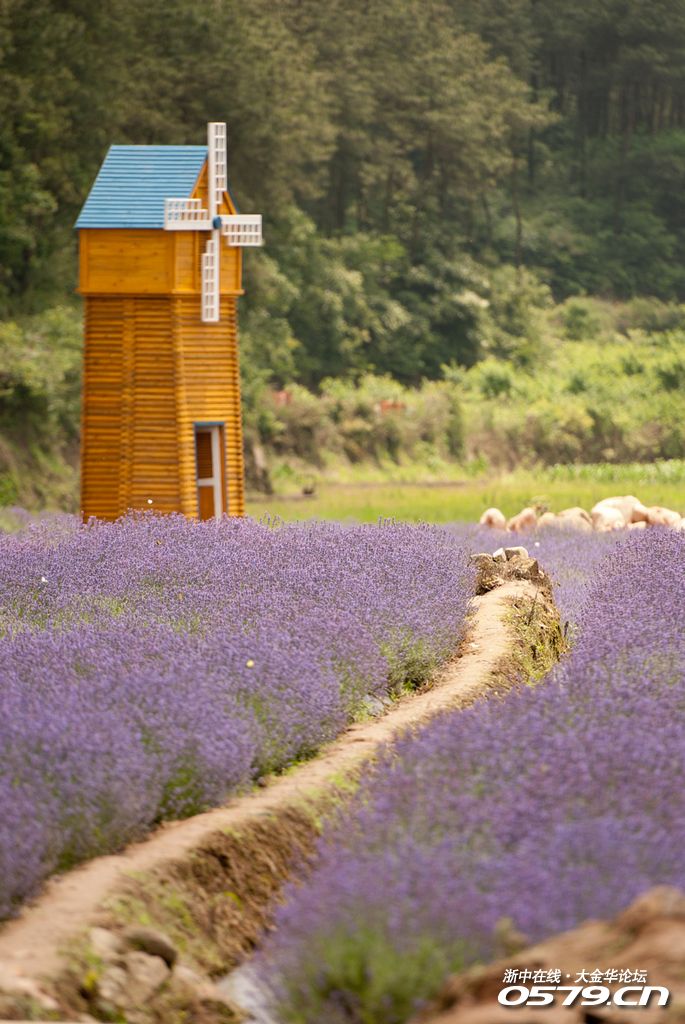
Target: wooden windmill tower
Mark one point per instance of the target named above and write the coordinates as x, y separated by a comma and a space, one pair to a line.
160, 273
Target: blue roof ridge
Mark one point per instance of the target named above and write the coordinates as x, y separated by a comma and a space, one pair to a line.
133, 182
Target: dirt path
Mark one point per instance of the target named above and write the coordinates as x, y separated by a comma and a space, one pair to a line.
31, 945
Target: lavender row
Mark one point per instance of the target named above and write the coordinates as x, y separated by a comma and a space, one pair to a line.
553, 805
149, 668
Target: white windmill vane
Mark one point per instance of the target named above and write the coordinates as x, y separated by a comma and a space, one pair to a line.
242, 229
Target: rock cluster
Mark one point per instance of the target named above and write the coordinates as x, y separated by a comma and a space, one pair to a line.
618, 513
18, 992
505, 564
141, 966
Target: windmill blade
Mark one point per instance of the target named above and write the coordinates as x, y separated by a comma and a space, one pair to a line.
210, 279
216, 152
186, 215
242, 229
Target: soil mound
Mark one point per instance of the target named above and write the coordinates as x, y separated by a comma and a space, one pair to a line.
648, 937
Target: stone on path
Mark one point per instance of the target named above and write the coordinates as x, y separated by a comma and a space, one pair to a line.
147, 940
142, 976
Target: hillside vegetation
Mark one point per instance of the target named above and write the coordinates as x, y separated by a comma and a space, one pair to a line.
596, 387
443, 184
607, 385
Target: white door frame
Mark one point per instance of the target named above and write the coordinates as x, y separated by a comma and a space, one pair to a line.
214, 481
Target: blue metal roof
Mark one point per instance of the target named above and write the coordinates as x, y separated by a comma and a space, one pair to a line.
134, 181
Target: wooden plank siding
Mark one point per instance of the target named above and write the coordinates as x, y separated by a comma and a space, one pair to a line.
148, 262
154, 443
152, 370
208, 391
102, 410
129, 434
131, 261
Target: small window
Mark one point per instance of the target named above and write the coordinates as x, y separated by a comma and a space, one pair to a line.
209, 449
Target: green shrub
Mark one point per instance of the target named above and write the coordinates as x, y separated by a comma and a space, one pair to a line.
9, 490
40, 375
651, 315
494, 378
580, 322
354, 971
670, 371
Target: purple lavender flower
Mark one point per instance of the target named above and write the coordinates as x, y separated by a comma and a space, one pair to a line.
150, 667
557, 803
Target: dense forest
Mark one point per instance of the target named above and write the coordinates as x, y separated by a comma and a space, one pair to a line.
431, 172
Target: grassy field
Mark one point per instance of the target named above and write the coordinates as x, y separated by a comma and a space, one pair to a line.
439, 499
561, 487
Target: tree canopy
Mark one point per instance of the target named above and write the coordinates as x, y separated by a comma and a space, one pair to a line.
404, 154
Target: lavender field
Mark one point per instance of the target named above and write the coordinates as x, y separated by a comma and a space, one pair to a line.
535, 812
152, 667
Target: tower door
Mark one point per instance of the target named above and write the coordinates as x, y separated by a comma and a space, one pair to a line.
209, 449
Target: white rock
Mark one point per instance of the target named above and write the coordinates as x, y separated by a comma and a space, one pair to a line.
113, 986
576, 513
242, 988
607, 519
576, 523
20, 985
104, 944
500, 555
494, 518
516, 552
129, 984
575, 519
525, 520
373, 706
568, 519
631, 508
188, 984
659, 516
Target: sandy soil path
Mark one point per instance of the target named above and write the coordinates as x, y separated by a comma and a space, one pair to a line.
31, 945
